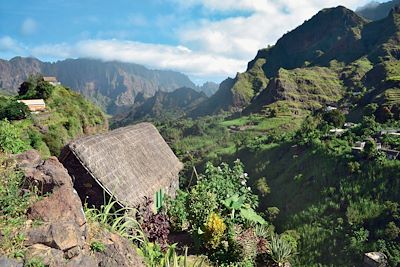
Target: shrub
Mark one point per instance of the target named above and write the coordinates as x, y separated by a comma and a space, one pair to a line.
392, 231
262, 186
335, 118
44, 90
365, 209
214, 231
370, 150
155, 226
201, 203
247, 242
14, 203
10, 138
176, 211
14, 111
292, 238
27, 86
56, 138
353, 167
273, 212
370, 109
35, 87
35, 262
213, 190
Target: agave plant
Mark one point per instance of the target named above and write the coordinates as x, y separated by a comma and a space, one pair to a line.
280, 250
264, 230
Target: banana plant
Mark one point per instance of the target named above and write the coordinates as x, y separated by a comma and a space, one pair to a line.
236, 203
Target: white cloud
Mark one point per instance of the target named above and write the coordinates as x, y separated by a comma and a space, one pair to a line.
9, 45
28, 27
58, 51
240, 37
207, 48
179, 58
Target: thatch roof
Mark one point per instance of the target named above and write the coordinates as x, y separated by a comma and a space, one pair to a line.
129, 163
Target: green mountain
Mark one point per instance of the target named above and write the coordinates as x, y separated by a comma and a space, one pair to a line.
162, 105
326, 61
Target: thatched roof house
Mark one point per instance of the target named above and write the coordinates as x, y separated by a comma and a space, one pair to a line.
129, 163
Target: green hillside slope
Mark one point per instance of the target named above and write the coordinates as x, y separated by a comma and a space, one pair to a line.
68, 115
335, 58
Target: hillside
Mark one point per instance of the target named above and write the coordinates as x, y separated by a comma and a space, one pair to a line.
323, 62
111, 85
68, 115
162, 105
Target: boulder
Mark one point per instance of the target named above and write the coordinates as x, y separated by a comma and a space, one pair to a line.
8, 262
48, 256
59, 235
82, 260
28, 159
119, 252
66, 235
63, 204
48, 176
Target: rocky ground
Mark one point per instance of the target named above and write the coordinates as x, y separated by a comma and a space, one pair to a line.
57, 232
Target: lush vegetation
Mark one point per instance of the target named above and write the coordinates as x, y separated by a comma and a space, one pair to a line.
311, 187
307, 197
68, 115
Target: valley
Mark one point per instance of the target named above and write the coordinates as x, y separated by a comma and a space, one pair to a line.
293, 162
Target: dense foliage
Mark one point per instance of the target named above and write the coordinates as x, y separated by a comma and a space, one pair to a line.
67, 115
219, 212
310, 184
35, 88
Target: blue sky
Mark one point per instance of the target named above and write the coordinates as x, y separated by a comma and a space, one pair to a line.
206, 39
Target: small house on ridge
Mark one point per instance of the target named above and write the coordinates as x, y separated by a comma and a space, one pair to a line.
51, 80
128, 163
34, 105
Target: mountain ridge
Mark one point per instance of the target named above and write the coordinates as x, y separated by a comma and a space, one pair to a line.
113, 85
336, 48
376, 10
175, 104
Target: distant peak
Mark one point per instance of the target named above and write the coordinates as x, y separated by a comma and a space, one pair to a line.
338, 12
19, 58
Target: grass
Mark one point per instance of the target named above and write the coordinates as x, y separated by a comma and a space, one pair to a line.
250, 82
259, 123
114, 219
35, 262
97, 246
13, 207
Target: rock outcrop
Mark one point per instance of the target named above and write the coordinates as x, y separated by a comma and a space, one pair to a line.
57, 233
